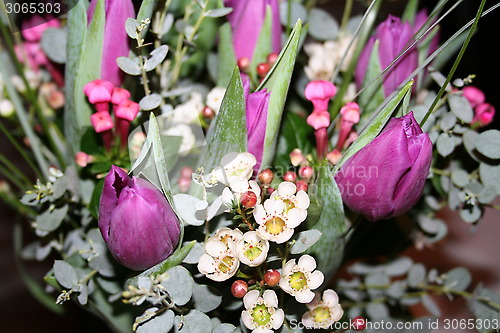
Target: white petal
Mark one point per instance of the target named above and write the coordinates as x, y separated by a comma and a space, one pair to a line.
261, 329
303, 200
287, 189
239, 185
330, 298
307, 263
270, 298
277, 319
294, 218
337, 312
227, 197
284, 236
274, 206
250, 298
308, 320
314, 303
228, 159
206, 264
287, 269
285, 286
215, 247
259, 214
304, 296
316, 279
247, 158
254, 187
247, 320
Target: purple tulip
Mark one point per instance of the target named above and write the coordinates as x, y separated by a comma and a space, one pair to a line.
256, 118
386, 177
136, 221
394, 37
116, 41
420, 19
246, 21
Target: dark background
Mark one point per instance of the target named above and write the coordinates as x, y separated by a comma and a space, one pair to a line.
20, 312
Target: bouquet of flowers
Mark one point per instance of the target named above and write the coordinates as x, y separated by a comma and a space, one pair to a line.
209, 165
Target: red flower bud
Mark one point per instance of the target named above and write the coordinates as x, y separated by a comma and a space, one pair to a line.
262, 69
266, 176
358, 323
290, 176
271, 58
239, 288
306, 172
272, 277
302, 186
248, 199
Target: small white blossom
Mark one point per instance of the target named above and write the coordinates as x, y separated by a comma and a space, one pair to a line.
252, 249
296, 203
189, 112
214, 98
237, 188
6, 108
234, 166
299, 279
228, 236
54, 174
323, 313
261, 313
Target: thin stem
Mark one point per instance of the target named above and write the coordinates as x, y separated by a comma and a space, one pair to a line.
455, 64
346, 15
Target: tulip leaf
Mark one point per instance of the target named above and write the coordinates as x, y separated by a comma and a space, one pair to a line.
54, 41
328, 250
175, 259
376, 125
227, 133
263, 47
373, 94
227, 58
277, 82
87, 68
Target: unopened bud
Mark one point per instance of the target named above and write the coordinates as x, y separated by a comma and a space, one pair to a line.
306, 172
208, 113
296, 157
272, 277
243, 64
82, 159
248, 199
56, 99
239, 288
302, 186
358, 323
266, 176
262, 69
271, 58
334, 156
290, 176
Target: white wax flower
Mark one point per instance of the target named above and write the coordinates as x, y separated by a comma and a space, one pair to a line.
261, 313
323, 312
6, 108
189, 112
186, 133
299, 279
228, 236
234, 166
219, 262
252, 249
296, 203
214, 98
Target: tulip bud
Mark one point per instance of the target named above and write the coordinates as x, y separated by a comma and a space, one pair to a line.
387, 176
136, 221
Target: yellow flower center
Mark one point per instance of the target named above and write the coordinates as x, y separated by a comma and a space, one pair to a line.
321, 314
288, 205
298, 281
261, 315
252, 252
275, 226
226, 264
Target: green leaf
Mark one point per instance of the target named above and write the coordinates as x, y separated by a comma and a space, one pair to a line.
128, 65
175, 259
277, 82
410, 11
206, 298
263, 46
227, 58
461, 108
304, 240
376, 125
445, 144
150, 102
160, 323
228, 132
157, 56
65, 274
373, 95
322, 26
50, 220
458, 278
83, 65
146, 10
179, 285
328, 250
218, 12
490, 174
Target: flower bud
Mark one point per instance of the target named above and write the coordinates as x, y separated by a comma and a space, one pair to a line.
263, 69
296, 157
271, 58
272, 277
302, 186
319, 93
239, 288
358, 323
386, 177
248, 199
474, 95
243, 64
136, 221
306, 172
483, 114
290, 176
266, 176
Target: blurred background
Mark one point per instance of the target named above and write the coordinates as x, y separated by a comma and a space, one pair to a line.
478, 251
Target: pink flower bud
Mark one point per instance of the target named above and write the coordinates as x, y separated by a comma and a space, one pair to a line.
248, 199
319, 93
334, 156
296, 157
239, 288
350, 112
119, 95
56, 99
127, 110
98, 91
82, 159
484, 114
290, 176
474, 95
319, 119
272, 277
306, 172
101, 121
301, 186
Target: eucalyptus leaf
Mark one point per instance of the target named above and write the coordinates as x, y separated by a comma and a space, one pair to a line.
297, 12
458, 278
377, 311
447, 121
185, 207
488, 194
128, 65
167, 24
490, 174
460, 178
322, 25
150, 102
206, 298
218, 12
304, 240
194, 322
487, 143
131, 27
54, 41
65, 274
460, 106
471, 213
162, 322
416, 275
430, 305
179, 285
224, 328
445, 144
50, 220
156, 57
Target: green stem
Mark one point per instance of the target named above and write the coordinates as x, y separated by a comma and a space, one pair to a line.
455, 64
346, 15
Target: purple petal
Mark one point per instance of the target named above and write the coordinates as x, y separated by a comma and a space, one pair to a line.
256, 116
